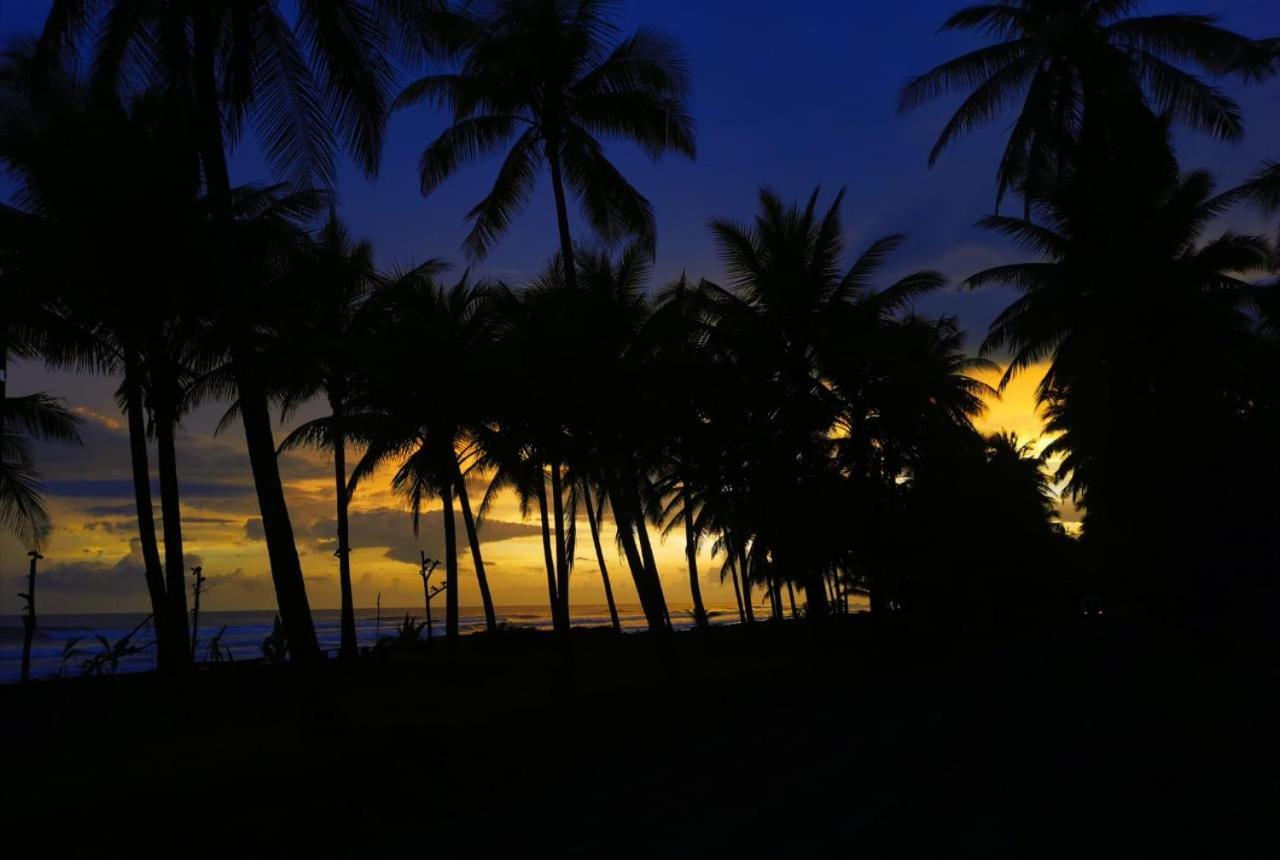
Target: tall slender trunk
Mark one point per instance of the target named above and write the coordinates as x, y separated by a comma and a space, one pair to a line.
562, 218
691, 553
569, 267
4, 365
171, 521
654, 614
197, 588
562, 563
167, 653
737, 594
348, 645
553, 600
450, 566
746, 587
593, 522
651, 566
286, 570
791, 597
816, 605
282, 552
473, 538
29, 618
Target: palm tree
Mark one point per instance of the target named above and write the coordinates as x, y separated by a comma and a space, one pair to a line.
30, 326
793, 313
34, 416
169, 376
526, 440
1066, 61
690, 467
1113, 311
541, 77
614, 410
426, 423
977, 524
1264, 188
234, 64
507, 453
323, 341
99, 174
595, 515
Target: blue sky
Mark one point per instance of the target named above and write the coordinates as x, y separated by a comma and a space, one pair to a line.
786, 95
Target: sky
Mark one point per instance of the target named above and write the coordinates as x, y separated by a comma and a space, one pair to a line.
789, 96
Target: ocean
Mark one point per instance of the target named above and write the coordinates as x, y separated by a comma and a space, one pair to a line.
65, 644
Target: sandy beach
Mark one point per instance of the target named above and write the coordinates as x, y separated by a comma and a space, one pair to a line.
883, 741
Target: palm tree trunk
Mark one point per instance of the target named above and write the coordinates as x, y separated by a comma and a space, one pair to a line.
654, 615
562, 219
348, 645
746, 587
473, 538
816, 605
593, 521
171, 521
553, 600
167, 656
737, 594
691, 553
286, 570
562, 563
197, 588
450, 565
791, 597
282, 552
29, 619
4, 365
651, 567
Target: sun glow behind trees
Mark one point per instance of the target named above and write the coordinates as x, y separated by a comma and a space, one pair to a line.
92, 561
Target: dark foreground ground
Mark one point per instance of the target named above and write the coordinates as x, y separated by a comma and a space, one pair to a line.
1091, 739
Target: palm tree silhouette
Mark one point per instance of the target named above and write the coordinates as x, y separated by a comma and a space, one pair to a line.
236, 64
426, 425
615, 418
322, 342
1263, 188
100, 174
535, 335
33, 416
1115, 365
541, 77
687, 467
1065, 60
793, 310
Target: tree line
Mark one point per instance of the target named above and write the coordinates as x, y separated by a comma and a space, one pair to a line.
800, 417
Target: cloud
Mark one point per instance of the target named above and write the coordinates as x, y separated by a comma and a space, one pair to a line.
110, 422
126, 510
122, 579
115, 527
122, 488
253, 529
393, 530
257, 583
204, 463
